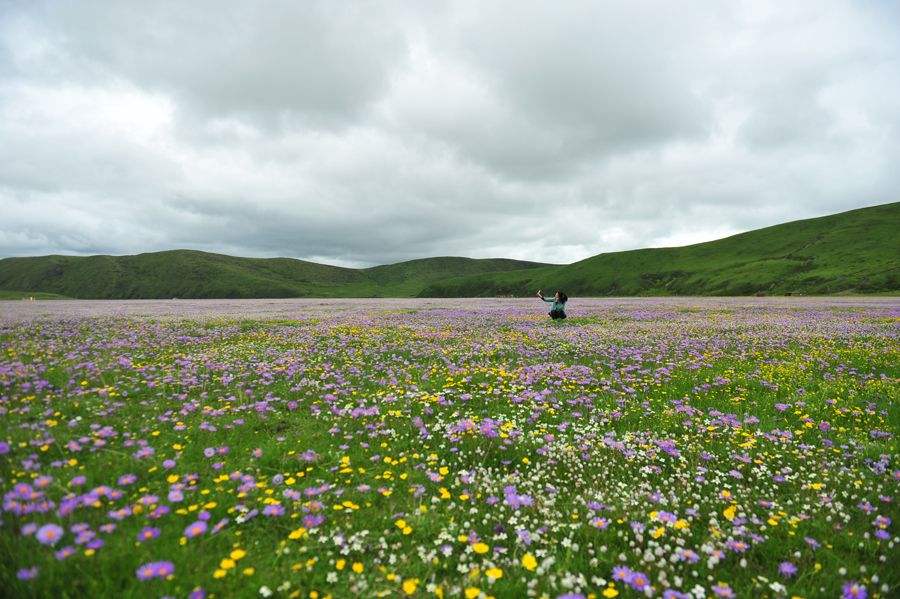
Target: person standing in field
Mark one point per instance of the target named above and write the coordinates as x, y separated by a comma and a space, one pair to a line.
558, 309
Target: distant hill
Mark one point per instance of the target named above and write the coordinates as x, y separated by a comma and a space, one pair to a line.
193, 274
856, 251
850, 252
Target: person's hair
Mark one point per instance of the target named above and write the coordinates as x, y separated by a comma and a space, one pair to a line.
562, 296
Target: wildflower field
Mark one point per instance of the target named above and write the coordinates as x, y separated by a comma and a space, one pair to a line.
666, 448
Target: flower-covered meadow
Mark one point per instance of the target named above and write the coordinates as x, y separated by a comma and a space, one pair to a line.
716, 448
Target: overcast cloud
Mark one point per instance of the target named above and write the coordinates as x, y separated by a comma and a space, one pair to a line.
371, 132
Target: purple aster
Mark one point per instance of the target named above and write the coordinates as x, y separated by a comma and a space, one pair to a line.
155, 570
49, 534
622, 573
723, 590
638, 581
27, 573
148, 533
195, 529
787, 569
313, 520
854, 590
65, 552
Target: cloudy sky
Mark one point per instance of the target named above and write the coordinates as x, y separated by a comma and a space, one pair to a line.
360, 133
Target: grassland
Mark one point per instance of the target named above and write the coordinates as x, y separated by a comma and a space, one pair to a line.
665, 447
856, 251
851, 252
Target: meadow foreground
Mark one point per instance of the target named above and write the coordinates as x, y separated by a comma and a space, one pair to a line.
450, 448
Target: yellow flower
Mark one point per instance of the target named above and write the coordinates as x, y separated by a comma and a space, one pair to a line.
480, 548
528, 562
358, 567
658, 532
237, 554
219, 573
730, 512
298, 533
494, 573
249, 571
472, 592
227, 564
409, 585
610, 592
340, 564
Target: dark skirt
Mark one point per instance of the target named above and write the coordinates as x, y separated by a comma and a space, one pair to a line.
557, 314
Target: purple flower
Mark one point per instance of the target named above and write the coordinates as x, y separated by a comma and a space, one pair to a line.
49, 534
147, 533
514, 499
313, 520
854, 590
621, 573
4, 448
27, 573
787, 569
273, 510
65, 552
155, 570
723, 590
638, 581
195, 529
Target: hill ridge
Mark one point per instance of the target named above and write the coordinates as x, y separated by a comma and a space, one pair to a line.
853, 251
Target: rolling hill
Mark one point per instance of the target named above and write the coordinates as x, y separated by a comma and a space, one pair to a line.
194, 274
856, 252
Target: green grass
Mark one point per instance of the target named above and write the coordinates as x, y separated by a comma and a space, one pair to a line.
846, 253
24, 295
856, 251
559, 390
193, 274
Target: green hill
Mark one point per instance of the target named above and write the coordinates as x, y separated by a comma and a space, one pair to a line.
193, 274
855, 252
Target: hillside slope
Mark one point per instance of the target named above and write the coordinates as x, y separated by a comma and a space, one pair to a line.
855, 251
194, 274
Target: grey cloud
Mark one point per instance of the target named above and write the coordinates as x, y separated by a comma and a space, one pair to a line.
362, 133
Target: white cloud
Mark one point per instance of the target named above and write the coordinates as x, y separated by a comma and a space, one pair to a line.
362, 133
